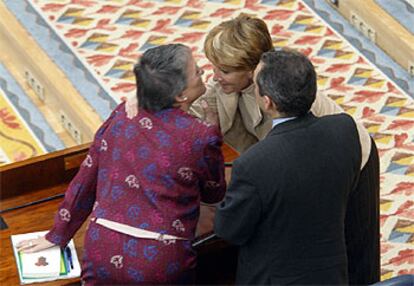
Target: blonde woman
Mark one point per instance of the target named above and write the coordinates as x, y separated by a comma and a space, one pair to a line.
234, 48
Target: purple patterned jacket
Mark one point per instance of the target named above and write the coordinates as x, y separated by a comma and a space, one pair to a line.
148, 172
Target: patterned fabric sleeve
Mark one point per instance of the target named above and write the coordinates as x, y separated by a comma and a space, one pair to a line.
213, 184
80, 195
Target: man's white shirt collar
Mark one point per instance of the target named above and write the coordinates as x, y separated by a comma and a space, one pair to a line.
277, 121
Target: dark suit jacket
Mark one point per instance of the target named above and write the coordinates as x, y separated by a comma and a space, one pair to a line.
286, 202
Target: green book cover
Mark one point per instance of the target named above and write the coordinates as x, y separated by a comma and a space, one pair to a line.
63, 266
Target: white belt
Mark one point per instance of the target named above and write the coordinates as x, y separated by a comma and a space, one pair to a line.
137, 232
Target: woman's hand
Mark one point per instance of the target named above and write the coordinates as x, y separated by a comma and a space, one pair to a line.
210, 115
34, 245
131, 107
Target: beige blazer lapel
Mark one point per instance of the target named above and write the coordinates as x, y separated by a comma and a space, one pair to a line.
256, 122
227, 108
249, 109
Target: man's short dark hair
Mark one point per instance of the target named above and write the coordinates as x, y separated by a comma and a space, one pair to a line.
161, 75
289, 79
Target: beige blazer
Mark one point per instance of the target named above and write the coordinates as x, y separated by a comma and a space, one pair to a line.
243, 123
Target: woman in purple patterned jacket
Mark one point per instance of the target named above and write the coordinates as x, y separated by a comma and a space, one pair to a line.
143, 180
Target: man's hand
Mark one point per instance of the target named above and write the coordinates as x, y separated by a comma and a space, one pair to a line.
34, 245
210, 115
131, 107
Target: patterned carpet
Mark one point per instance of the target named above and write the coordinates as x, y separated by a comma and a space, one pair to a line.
372, 52
24, 132
20, 144
106, 37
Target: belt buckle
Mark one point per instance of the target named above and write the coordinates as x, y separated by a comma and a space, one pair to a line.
160, 237
165, 241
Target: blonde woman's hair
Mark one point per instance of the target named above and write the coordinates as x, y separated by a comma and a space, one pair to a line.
237, 44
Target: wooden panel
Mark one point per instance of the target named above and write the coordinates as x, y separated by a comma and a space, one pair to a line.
41, 172
229, 153
389, 33
53, 169
32, 197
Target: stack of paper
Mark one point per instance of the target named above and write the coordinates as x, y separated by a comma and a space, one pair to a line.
41, 264
46, 265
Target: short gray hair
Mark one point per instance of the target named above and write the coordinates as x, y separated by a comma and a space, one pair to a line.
161, 75
289, 79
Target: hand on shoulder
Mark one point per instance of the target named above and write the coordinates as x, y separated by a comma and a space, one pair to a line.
131, 107
210, 115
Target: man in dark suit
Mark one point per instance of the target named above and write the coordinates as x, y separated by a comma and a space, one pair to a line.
287, 198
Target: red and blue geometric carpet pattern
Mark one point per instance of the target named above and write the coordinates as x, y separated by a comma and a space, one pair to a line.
108, 37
